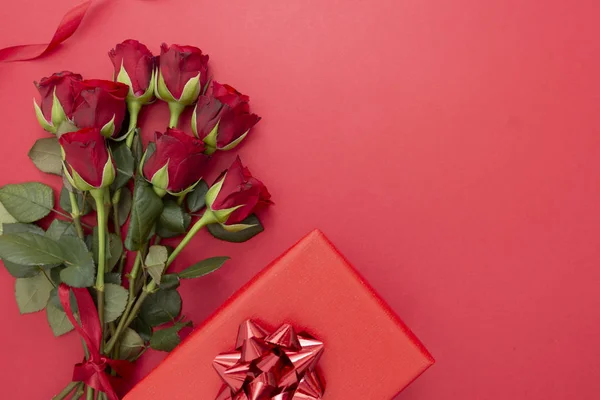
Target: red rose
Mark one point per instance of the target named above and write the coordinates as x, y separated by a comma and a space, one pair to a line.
177, 163
59, 87
134, 66
100, 104
236, 195
88, 164
223, 119
182, 74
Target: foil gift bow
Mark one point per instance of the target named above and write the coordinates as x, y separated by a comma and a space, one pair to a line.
276, 366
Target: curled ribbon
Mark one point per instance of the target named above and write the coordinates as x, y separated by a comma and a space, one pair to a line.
93, 370
68, 25
276, 366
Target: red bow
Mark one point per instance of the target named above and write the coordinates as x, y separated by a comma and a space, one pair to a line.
92, 371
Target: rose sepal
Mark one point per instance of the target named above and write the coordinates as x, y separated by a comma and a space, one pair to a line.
190, 93
108, 129
160, 180
108, 176
147, 97
234, 144
57, 116
47, 126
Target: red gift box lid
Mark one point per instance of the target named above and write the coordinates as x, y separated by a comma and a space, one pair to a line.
369, 353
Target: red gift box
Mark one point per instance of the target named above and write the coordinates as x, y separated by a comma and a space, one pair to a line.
369, 353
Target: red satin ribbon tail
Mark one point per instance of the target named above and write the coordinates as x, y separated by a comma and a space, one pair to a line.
68, 25
106, 386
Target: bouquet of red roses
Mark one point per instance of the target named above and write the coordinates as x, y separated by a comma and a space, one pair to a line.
74, 269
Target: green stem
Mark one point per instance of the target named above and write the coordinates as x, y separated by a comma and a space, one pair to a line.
89, 394
122, 262
176, 110
128, 317
66, 391
207, 218
76, 214
130, 302
138, 305
134, 108
98, 195
79, 392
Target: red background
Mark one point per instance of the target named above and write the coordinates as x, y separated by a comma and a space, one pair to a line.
448, 148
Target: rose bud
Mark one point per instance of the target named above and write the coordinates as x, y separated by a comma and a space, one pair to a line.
100, 104
58, 97
87, 162
223, 119
183, 74
134, 66
176, 166
235, 196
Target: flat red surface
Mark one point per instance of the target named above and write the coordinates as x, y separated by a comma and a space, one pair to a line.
448, 148
369, 353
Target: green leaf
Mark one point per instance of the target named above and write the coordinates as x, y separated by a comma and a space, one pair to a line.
115, 300
150, 149
115, 248
131, 346
169, 281
85, 205
113, 277
173, 220
59, 228
167, 339
156, 261
80, 270
21, 271
203, 267
15, 269
30, 249
55, 274
5, 217
237, 237
46, 155
57, 318
124, 205
147, 207
142, 328
161, 307
20, 228
27, 202
196, 200
137, 148
124, 162
32, 293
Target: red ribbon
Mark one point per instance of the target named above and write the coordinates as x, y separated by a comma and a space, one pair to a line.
93, 370
66, 28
